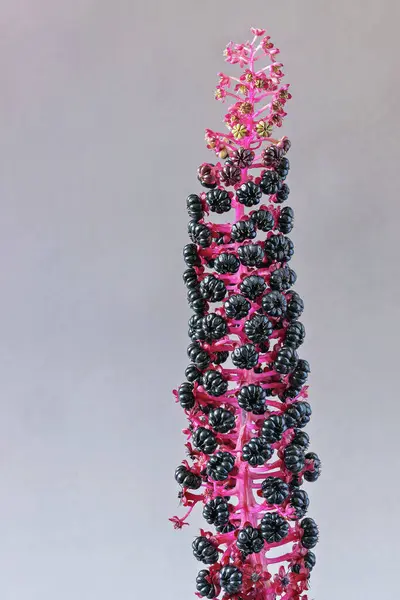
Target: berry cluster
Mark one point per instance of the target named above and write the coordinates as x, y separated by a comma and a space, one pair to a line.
245, 394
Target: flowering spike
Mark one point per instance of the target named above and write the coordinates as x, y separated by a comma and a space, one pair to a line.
246, 395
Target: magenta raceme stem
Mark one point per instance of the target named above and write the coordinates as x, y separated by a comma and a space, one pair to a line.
246, 395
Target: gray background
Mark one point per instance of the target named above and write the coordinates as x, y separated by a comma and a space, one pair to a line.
103, 108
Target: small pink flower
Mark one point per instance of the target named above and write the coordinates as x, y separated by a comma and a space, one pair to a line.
178, 523
257, 32
220, 93
224, 80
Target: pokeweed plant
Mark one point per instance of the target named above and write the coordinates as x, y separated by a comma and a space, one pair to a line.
245, 394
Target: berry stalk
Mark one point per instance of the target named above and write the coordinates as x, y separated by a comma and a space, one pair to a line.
245, 394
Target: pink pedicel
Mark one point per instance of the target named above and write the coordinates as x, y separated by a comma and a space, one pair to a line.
245, 396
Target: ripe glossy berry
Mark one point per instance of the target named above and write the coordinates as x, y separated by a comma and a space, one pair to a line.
216, 511
227, 528
275, 490
298, 414
283, 193
218, 201
212, 289
237, 307
196, 301
286, 360
274, 528
253, 286
242, 157
221, 420
279, 247
294, 459
204, 550
308, 561
195, 331
316, 464
186, 478
204, 585
243, 230
299, 502
263, 219
251, 255
256, 452
245, 357
274, 304
204, 440
198, 356
252, 398
230, 578
214, 327
273, 428
270, 182
200, 234
226, 263
302, 439
190, 255
282, 279
192, 374
258, 328
220, 357
194, 207
295, 334
190, 278
249, 540
283, 167
230, 175
220, 465
214, 383
295, 306
186, 396
309, 539
286, 220
271, 156
300, 375
249, 194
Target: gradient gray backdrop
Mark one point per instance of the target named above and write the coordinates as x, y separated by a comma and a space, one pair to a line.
103, 108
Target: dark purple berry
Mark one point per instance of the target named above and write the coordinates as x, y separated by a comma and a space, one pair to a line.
275, 490
249, 540
204, 440
286, 360
186, 396
214, 383
237, 307
263, 219
245, 357
256, 452
274, 528
230, 578
226, 263
274, 304
310, 535
251, 255
249, 194
205, 551
218, 201
252, 398
253, 286
258, 328
220, 465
